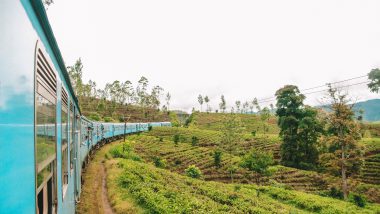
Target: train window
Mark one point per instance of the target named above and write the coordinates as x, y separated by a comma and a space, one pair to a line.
45, 133
72, 135
64, 147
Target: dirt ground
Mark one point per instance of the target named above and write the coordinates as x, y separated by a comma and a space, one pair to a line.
94, 198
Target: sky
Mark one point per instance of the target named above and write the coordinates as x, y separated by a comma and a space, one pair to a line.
241, 49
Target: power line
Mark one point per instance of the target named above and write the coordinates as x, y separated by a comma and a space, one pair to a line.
314, 92
315, 87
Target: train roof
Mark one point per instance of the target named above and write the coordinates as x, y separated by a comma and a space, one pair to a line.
44, 21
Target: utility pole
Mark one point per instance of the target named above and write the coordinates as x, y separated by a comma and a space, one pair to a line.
125, 124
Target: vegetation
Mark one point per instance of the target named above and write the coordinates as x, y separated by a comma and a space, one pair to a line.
374, 76
157, 190
193, 172
300, 129
343, 154
119, 101
258, 162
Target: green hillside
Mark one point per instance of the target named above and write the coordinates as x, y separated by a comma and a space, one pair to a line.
104, 110
371, 109
251, 122
161, 191
180, 156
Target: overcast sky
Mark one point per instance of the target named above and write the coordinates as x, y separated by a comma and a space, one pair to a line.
242, 49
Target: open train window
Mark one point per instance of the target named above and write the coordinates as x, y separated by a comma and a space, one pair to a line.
64, 141
45, 133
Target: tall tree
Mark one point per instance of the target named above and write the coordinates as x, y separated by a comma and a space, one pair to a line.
245, 106
155, 96
207, 100
200, 101
251, 106
231, 132
141, 92
271, 108
344, 155
374, 76
75, 73
237, 103
222, 104
300, 129
264, 117
255, 102
167, 99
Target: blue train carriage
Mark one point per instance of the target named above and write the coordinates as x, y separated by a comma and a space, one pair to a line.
166, 124
38, 115
86, 140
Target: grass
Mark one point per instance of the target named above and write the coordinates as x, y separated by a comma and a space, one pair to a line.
251, 122
91, 196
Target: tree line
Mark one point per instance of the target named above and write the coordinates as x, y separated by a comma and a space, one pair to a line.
120, 92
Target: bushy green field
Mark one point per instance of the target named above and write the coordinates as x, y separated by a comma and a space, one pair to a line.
209, 141
160, 191
251, 122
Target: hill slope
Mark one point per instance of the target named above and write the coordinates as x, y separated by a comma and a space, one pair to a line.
160, 191
104, 110
371, 109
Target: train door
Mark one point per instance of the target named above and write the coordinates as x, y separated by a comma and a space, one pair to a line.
45, 134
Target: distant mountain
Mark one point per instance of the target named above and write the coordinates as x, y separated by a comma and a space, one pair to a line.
371, 109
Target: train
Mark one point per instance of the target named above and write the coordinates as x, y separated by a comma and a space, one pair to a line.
45, 141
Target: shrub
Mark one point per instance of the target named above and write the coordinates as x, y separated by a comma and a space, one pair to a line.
176, 139
253, 133
177, 162
107, 119
194, 140
116, 152
358, 199
161, 139
94, 116
193, 171
217, 158
335, 193
150, 128
158, 162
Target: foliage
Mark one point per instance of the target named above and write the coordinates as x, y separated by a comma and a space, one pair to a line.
358, 199
200, 101
160, 191
258, 162
194, 140
176, 139
124, 151
217, 158
374, 76
300, 129
193, 171
264, 117
343, 155
174, 119
222, 104
250, 122
158, 162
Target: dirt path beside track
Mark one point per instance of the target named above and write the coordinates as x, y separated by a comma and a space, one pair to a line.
94, 197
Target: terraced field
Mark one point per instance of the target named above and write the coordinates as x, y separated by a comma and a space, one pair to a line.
160, 191
251, 122
302, 180
371, 171
179, 157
